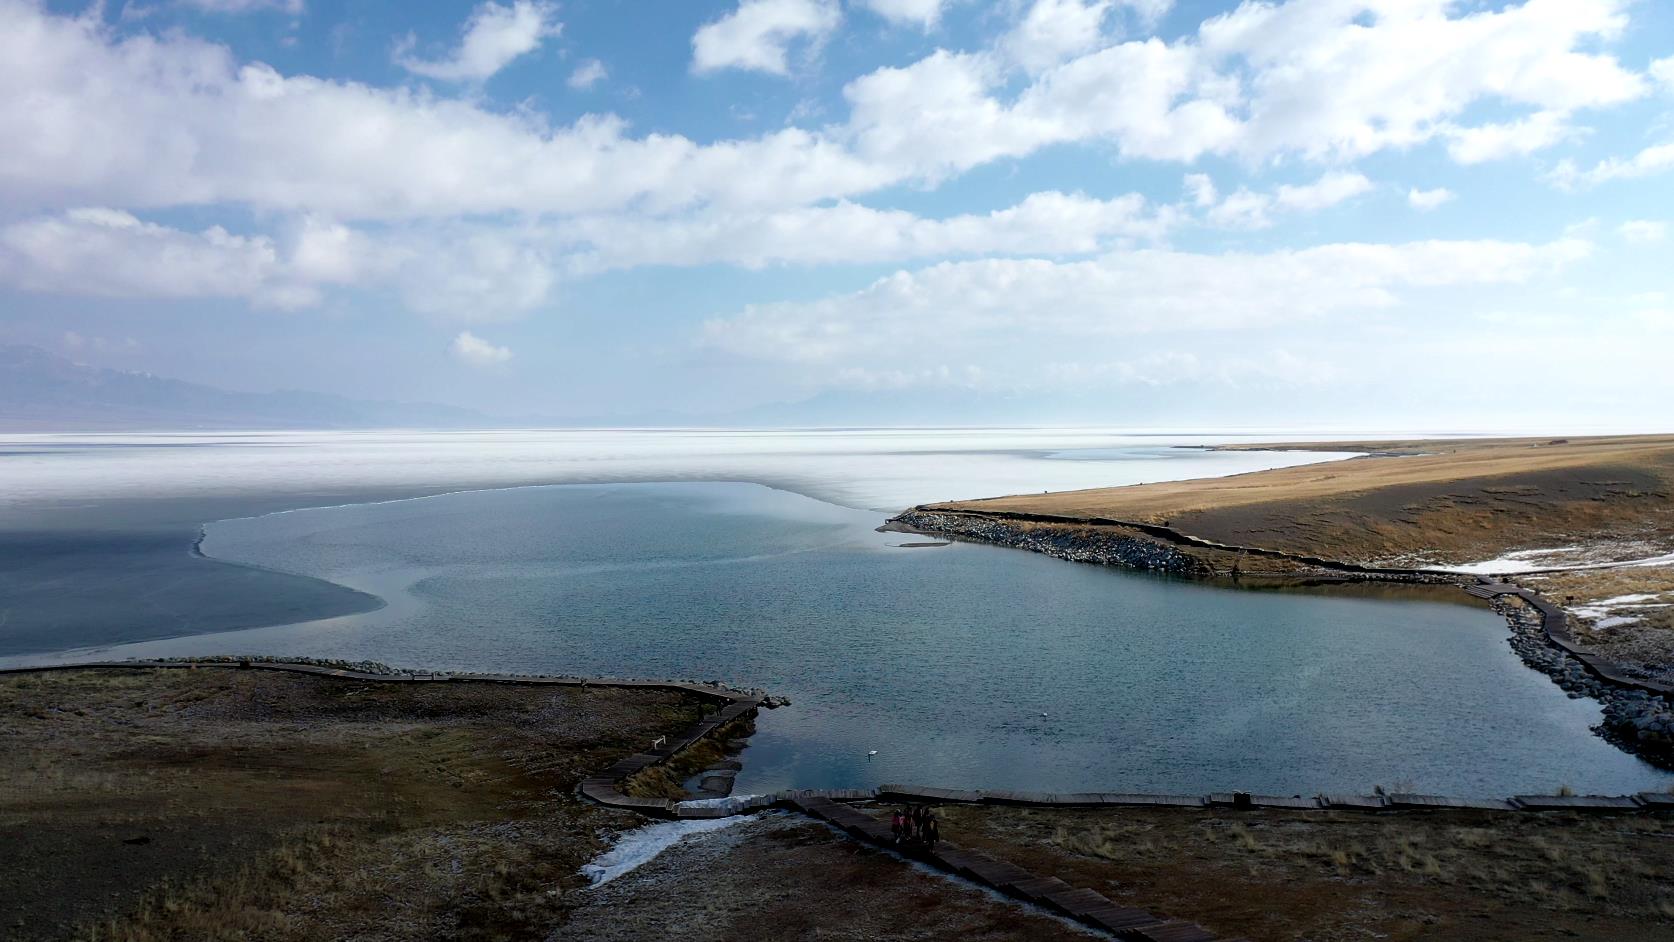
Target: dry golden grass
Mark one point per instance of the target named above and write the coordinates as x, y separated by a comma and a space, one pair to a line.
1460, 502
1338, 876
225, 804
1418, 463
1647, 642
668, 779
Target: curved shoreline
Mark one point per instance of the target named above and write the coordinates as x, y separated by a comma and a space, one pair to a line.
736, 703
925, 519
1639, 712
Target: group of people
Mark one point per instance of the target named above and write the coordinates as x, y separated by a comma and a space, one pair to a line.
915, 825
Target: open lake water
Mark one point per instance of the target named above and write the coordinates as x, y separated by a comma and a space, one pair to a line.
962, 665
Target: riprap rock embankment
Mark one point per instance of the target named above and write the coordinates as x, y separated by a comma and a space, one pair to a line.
1089, 545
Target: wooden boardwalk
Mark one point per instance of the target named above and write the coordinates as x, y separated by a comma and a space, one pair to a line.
1554, 622
605, 786
1086, 906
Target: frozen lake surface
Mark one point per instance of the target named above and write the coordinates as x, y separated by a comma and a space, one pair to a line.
872, 469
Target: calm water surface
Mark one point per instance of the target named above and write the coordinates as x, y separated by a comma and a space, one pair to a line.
963, 665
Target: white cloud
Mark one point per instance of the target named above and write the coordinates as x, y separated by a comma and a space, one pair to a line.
1643, 230
1048, 223
756, 36
925, 13
587, 74
244, 6
1326, 84
1663, 71
456, 273
1306, 77
1652, 160
1327, 191
323, 252
1242, 210
1175, 367
110, 253
990, 307
492, 38
476, 275
371, 187
472, 350
84, 112
1511, 139
1200, 189
484, 271
1249, 210
1054, 30
84, 109
1426, 200
1148, 11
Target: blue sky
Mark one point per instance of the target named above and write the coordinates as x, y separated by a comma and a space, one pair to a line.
1314, 212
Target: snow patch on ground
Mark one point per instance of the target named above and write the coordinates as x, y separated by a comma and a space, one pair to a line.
1627, 599
1527, 561
642, 845
1519, 561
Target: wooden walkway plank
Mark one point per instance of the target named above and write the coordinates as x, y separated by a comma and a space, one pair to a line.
1036, 889
1131, 798
1406, 800
1295, 802
1575, 803
1084, 905
1122, 919
1358, 802
1175, 931
1077, 903
701, 814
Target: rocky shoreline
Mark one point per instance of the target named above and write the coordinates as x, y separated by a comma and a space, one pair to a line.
1107, 549
1635, 721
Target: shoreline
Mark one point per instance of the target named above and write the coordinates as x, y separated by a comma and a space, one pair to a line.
160, 584
512, 851
736, 705
1638, 713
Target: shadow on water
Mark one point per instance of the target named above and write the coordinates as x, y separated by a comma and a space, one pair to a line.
68, 589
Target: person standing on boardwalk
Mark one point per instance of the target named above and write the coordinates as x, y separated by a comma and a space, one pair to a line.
898, 825
932, 831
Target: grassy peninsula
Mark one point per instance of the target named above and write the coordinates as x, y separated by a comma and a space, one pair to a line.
1571, 507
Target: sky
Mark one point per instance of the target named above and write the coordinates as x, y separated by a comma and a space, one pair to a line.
1320, 213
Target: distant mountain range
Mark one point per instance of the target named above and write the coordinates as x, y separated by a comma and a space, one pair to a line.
41, 391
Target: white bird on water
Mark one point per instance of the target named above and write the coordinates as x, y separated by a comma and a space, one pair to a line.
869, 755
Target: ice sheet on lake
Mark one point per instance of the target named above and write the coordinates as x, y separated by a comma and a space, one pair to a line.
869, 469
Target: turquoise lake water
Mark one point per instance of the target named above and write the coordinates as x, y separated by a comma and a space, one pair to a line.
962, 666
